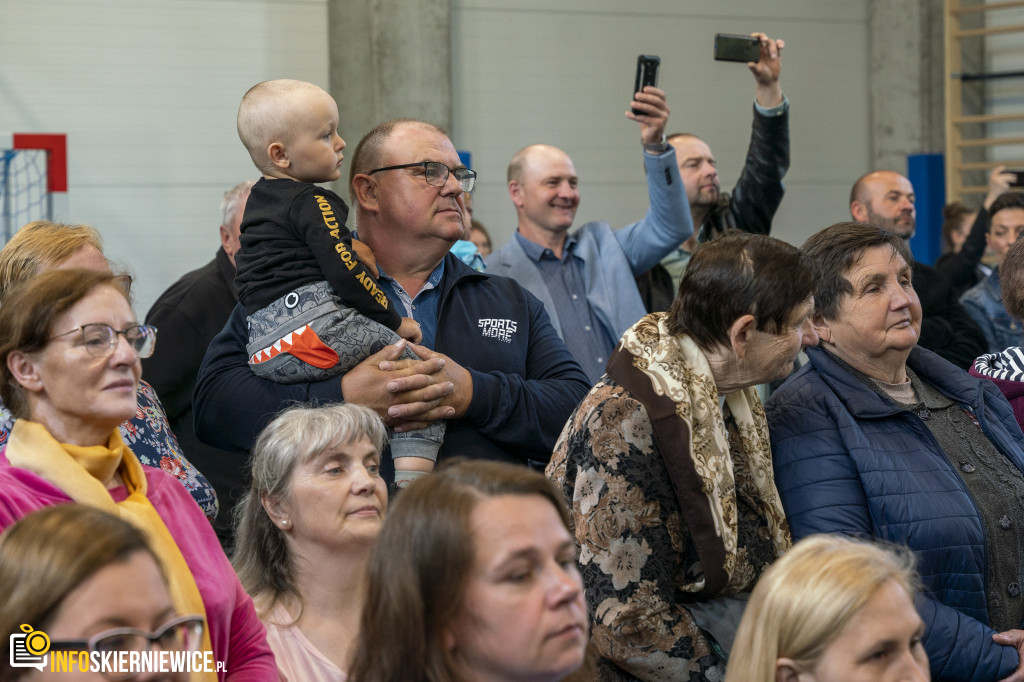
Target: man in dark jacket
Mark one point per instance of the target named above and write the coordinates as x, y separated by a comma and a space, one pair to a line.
189, 314
493, 365
885, 199
757, 194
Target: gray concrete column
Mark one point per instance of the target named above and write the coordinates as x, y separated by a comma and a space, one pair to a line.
906, 80
389, 59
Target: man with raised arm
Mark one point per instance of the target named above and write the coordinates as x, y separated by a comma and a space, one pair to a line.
584, 277
758, 192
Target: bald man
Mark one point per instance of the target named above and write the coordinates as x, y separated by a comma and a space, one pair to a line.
492, 365
584, 277
885, 199
758, 191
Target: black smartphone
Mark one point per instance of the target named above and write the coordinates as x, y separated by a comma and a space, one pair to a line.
1019, 182
646, 74
736, 48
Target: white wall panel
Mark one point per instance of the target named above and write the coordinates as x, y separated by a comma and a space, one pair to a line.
147, 92
561, 72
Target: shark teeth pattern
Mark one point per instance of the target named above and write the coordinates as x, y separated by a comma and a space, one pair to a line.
282, 345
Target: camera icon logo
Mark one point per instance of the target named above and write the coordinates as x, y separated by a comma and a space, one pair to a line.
29, 650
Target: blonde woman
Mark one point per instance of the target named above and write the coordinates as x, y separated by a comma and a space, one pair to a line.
832, 609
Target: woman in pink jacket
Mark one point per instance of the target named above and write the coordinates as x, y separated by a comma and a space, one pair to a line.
69, 371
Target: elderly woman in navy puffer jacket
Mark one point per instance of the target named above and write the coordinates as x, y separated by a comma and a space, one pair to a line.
878, 438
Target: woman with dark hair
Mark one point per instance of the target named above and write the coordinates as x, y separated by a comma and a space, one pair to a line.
964, 259
474, 578
90, 582
956, 223
305, 530
878, 437
478, 235
667, 463
984, 301
70, 351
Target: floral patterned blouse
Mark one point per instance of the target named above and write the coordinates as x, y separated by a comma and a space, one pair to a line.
151, 439
636, 555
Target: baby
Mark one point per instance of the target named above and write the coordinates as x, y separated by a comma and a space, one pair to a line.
313, 305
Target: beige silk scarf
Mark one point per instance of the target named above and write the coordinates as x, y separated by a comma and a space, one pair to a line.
678, 370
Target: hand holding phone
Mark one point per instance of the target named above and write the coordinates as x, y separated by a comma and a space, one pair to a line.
646, 74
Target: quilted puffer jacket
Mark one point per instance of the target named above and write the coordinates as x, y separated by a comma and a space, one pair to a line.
847, 461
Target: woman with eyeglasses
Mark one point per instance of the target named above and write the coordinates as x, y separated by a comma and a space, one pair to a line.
43, 245
88, 582
70, 350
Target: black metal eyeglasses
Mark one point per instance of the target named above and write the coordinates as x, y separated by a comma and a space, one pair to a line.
436, 173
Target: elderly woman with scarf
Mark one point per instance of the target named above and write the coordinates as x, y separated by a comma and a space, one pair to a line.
668, 467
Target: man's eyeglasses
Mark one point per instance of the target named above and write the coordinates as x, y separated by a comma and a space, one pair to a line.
100, 339
179, 634
436, 173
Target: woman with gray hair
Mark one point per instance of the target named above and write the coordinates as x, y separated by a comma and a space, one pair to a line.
305, 530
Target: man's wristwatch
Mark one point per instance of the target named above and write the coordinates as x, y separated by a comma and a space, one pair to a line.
659, 147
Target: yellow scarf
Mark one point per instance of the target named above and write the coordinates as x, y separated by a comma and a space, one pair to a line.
80, 471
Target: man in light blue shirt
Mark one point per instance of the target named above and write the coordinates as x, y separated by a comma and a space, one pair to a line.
584, 278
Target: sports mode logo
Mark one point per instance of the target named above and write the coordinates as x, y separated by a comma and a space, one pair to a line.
498, 328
